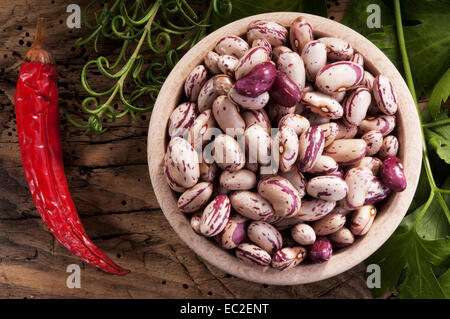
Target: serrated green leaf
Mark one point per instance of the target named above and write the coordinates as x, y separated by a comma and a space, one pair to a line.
440, 93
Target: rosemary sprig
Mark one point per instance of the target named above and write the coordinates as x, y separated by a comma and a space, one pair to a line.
152, 25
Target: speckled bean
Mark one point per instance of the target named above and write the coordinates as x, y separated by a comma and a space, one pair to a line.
346, 151
281, 194
239, 180
330, 188
264, 235
358, 180
362, 220
273, 32
257, 81
329, 224
367, 81
372, 163
392, 174
339, 76
300, 33
182, 118
276, 111
389, 147
234, 232
251, 205
195, 197
314, 55
288, 257
215, 216
249, 103
385, 95
324, 165
208, 171
222, 84
227, 115
258, 117
195, 222
383, 123
201, 131
374, 140
227, 153
342, 238
303, 234
346, 132
253, 255
232, 45
206, 96
286, 141
314, 209
337, 49
286, 223
358, 59
278, 50
258, 144
261, 42
356, 106
292, 65
227, 64
295, 121
249, 60
377, 192
311, 144
321, 250
297, 180
323, 104
210, 60
194, 82
330, 132
181, 165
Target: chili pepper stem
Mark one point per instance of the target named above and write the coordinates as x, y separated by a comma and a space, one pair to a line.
38, 51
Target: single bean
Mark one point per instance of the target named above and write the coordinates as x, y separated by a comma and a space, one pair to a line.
249, 103
202, 130
346, 132
297, 180
385, 95
211, 59
392, 174
314, 209
261, 42
278, 50
215, 216
284, 91
234, 232
339, 96
258, 117
367, 81
329, 224
337, 49
314, 55
321, 250
227, 153
182, 118
264, 235
324, 165
372, 163
358, 180
195, 197
295, 121
383, 123
257, 81
389, 147
232, 45
288, 257
208, 171
339, 76
273, 32
362, 220
303, 234
356, 106
194, 82
286, 141
227, 64
377, 192
281, 194
291, 63
374, 140
342, 238
253, 255
249, 60
227, 115
330, 188
330, 132
195, 222
239, 180
181, 165
258, 144
206, 96
323, 105
311, 144
300, 33
251, 205
222, 84
346, 152
358, 59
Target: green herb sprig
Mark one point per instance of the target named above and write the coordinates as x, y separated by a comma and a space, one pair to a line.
151, 25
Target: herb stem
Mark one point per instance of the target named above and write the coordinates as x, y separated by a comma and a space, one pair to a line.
436, 123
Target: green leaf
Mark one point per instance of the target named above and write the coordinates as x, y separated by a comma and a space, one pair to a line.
386, 41
427, 40
245, 8
438, 138
440, 93
444, 281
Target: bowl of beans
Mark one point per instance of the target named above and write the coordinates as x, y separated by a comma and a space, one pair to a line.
284, 148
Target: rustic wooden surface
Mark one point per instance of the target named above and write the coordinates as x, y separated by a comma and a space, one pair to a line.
108, 178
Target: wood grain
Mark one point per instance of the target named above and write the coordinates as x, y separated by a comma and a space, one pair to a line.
108, 178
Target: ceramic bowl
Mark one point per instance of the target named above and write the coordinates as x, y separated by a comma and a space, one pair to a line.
390, 213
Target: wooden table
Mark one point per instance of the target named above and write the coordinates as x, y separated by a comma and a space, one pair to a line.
109, 181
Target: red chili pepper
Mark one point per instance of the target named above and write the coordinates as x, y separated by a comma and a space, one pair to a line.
36, 103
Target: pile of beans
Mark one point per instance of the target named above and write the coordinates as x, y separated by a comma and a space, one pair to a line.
281, 153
